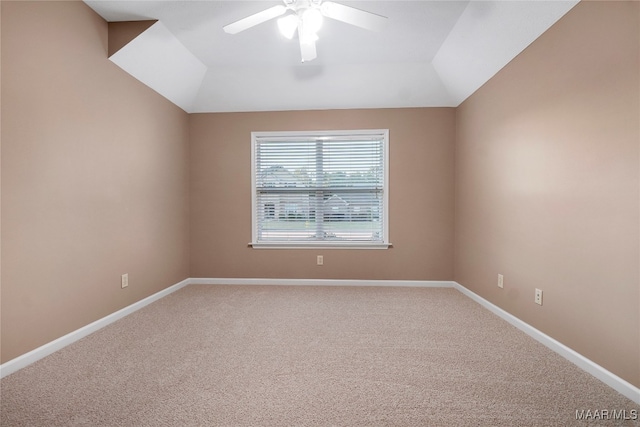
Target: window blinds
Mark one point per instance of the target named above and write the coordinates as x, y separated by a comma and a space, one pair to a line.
323, 187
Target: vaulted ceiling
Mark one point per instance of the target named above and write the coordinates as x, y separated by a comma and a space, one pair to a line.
430, 53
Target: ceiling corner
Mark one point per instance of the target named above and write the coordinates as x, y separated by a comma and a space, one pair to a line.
122, 33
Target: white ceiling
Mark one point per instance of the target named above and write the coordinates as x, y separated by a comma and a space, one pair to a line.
431, 53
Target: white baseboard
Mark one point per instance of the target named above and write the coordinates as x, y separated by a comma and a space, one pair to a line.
612, 380
26, 359
324, 282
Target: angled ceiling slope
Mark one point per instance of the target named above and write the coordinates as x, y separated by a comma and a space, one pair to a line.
431, 54
158, 59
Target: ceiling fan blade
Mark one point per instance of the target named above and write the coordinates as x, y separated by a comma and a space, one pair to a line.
255, 19
308, 50
353, 16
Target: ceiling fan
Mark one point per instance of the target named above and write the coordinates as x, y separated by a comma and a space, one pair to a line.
306, 16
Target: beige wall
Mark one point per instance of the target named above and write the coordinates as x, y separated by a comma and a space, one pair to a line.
94, 178
547, 184
420, 197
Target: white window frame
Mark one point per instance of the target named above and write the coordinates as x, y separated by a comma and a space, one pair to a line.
299, 135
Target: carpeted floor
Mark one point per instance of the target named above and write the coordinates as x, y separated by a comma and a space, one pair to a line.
308, 356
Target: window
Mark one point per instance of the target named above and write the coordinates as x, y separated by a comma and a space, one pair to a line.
320, 189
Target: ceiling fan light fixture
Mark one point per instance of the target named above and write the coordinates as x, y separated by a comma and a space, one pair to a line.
308, 38
312, 20
306, 16
288, 25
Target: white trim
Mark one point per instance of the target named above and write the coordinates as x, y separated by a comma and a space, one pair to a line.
319, 245
612, 380
26, 359
323, 282
296, 136
327, 135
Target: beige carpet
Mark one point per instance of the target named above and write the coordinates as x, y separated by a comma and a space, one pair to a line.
307, 356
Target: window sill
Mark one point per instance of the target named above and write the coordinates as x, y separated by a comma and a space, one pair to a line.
319, 245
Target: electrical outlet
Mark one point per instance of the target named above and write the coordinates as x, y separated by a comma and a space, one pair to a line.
500, 281
124, 280
538, 297
320, 260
